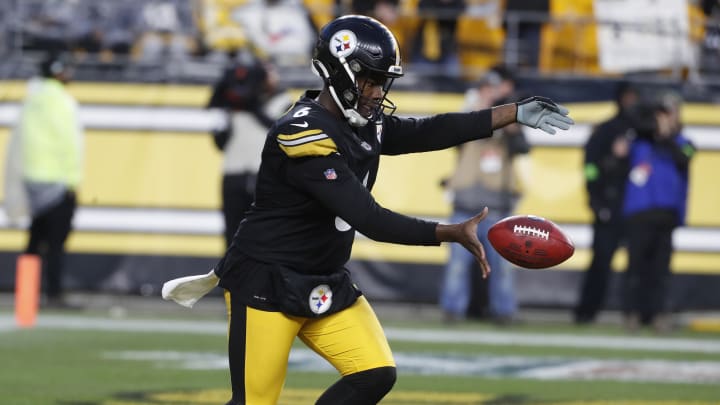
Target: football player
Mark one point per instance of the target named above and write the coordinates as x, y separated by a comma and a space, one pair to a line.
284, 273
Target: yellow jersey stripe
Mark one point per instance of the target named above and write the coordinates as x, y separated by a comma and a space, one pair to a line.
302, 140
322, 146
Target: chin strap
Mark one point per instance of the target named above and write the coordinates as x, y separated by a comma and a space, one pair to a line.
351, 115
354, 118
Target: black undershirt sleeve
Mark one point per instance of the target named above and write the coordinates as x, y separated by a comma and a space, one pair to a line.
409, 135
681, 155
345, 196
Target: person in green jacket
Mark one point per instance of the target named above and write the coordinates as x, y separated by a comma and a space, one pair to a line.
52, 168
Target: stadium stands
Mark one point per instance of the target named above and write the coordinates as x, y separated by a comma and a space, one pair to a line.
132, 40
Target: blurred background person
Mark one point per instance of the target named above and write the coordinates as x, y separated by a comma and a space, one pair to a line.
165, 29
525, 22
486, 175
605, 172
282, 29
496, 298
248, 94
435, 49
385, 11
52, 143
655, 203
710, 47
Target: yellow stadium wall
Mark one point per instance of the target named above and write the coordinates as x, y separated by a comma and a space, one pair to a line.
181, 170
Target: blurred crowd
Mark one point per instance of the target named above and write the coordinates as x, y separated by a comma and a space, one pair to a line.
461, 38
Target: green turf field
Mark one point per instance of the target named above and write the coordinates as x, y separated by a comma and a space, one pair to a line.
71, 359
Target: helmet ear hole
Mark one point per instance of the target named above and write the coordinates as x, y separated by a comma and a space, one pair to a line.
355, 66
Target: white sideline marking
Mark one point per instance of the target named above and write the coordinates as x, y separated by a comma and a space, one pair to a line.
168, 118
423, 363
7, 323
210, 222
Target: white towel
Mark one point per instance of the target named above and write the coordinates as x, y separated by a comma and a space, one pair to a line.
186, 291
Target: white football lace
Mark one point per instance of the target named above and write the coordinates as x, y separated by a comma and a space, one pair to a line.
526, 230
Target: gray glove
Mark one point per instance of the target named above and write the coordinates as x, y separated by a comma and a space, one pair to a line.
543, 113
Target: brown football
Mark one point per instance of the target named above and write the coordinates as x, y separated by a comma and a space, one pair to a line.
530, 241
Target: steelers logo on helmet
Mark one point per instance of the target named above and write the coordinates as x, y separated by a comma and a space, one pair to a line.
343, 43
320, 299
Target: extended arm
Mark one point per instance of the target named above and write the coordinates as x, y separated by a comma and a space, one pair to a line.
408, 135
345, 196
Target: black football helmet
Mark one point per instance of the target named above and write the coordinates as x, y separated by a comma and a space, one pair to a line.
356, 46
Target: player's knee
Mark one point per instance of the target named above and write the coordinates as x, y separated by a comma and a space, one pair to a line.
363, 388
374, 383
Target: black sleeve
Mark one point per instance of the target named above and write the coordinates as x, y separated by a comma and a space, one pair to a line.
259, 112
409, 135
598, 151
602, 167
221, 137
595, 171
217, 97
592, 147
680, 153
329, 180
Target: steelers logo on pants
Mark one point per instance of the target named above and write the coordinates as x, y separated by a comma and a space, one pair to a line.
320, 299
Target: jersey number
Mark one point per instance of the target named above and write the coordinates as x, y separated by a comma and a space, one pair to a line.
302, 112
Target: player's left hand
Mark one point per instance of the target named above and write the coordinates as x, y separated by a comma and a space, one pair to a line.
543, 113
465, 233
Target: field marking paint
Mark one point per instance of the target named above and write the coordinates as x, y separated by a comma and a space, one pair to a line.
556, 340
453, 364
397, 334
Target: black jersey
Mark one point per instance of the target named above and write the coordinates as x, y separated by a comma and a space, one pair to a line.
605, 173
314, 183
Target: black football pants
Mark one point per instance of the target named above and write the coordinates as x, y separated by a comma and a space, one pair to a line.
48, 233
647, 278
606, 240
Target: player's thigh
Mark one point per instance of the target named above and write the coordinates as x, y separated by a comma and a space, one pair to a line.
352, 340
267, 338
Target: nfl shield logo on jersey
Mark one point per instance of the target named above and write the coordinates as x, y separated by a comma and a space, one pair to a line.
320, 299
330, 174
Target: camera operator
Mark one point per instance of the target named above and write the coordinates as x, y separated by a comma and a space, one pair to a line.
655, 203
